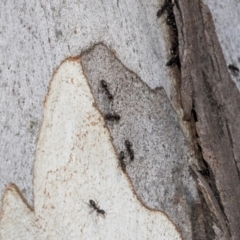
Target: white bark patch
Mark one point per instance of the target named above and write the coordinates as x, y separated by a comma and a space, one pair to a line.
17, 221
76, 162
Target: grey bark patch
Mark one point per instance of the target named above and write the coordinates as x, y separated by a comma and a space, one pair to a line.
159, 171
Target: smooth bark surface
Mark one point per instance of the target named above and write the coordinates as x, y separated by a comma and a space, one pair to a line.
72, 169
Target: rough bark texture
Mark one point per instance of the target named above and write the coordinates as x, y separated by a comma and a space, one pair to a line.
207, 89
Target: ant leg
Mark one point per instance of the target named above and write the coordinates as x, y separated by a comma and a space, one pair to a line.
91, 211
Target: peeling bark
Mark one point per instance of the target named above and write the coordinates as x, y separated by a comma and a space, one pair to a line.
207, 87
37, 37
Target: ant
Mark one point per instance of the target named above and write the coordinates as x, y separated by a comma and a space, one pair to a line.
96, 207
131, 153
105, 87
174, 48
129, 149
174, 60
165, 7
122, 164
112, 117
170, 17
104, 84
162, 9
204, 172
128, 144
233, 68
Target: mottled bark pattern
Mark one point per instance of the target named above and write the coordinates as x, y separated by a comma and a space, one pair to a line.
159, 172
207, 86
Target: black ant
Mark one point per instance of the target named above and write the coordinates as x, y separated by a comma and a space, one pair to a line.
233, 68
105, 87
96, 207
112, 117
204, 172
162, 9
121, 155
174, 48
122, 164
165, 7
131, 154
171, 18
104, 84
174, 60
128, 144
129, 149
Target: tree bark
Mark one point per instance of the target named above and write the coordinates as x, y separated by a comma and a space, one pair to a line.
207, 89
179, 120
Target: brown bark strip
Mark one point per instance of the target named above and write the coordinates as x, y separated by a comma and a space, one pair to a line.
211, 201
207, 85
